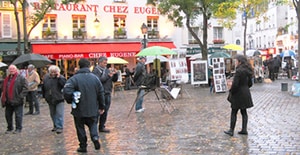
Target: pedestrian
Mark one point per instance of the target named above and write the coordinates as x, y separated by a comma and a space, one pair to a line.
53, 83
86, 92
14, 90
107, 77
33, 80
139, 76
271, 67
239, 94
277, 65
127, 78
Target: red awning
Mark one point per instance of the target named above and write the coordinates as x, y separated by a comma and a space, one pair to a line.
92, 50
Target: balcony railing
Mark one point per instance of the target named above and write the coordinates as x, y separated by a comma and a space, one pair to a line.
79, 34
49, 35
153, 34
120, 34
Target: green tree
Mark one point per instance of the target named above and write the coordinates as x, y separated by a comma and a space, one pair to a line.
179, 11
227, 11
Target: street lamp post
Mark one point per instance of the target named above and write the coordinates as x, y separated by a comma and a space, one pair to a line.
144, 30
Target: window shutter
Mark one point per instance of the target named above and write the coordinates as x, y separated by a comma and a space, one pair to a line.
6, 23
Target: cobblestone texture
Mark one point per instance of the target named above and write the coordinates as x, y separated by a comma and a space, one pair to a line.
196, 127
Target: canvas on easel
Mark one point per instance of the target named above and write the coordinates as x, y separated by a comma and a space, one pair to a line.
219, 76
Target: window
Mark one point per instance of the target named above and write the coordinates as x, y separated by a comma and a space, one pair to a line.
6, 25
49, 27
192, 40
152, 24
119, 26
218, 33
79, 31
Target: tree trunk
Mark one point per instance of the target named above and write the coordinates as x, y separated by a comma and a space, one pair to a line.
24, 6
18, 49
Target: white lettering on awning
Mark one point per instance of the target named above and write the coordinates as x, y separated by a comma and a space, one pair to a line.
122, 54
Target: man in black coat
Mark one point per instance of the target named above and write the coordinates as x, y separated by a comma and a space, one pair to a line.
89, 104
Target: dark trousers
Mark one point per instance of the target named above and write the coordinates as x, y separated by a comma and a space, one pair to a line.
91, 122
103, 117
271, 74
9, 111
33, 98
233, 118
127, 83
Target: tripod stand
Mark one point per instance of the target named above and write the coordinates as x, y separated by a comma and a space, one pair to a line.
164, 103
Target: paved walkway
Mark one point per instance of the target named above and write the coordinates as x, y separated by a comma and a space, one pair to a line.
195, 128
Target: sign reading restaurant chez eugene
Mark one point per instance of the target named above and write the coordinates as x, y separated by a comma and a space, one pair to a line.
90, 55
95, 8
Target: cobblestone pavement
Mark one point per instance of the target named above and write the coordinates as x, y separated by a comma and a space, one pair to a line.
196, 127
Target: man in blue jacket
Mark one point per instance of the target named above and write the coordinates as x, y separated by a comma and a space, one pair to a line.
89, 104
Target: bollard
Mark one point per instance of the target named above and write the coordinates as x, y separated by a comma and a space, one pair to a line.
284, 86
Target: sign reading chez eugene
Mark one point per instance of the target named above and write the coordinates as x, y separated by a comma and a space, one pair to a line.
95, 8
90, 55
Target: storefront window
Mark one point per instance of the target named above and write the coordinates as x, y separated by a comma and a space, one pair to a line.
119, 26
79, 31
152, 24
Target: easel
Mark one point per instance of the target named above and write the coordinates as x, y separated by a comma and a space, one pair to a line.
164, 103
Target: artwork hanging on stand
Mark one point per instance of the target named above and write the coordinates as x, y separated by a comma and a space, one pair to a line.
199, 72
220, 83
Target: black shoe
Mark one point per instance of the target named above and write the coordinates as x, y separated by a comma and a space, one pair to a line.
104, 130
80, 149
54, 129
8, 131
28, 113
243, 132
17, 131
59, 131
229, 132
36, 113
97, 144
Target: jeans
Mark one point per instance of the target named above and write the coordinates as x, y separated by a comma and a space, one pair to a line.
57, 115
33, 98
103, 117
139, 102
9, 110
91, 122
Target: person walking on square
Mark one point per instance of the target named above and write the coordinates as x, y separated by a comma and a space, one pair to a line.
107, 77
14, 90
239, 94
33, 80
86, 94
139, 76
127, 78
53, 83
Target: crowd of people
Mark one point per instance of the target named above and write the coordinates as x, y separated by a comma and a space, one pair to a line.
89, 93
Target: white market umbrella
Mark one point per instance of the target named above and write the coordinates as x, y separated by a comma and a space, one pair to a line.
2, 64
116, 60
150, 59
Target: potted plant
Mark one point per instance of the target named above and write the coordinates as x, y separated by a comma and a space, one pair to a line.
48, 32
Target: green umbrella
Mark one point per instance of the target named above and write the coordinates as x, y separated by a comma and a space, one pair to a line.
219, 55
155, 51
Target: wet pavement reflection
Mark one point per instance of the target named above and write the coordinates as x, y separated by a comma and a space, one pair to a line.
196, 127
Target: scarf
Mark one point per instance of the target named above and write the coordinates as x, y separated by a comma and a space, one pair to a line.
10, 89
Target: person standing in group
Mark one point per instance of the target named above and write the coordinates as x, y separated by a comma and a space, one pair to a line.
86, 93
33, 80
271, 67
277, 65
14, 90
239, 94
138, 78
107, 77
127, 78
53, 83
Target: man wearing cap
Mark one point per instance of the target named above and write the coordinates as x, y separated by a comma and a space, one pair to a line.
33, 80
139, 76
89, 104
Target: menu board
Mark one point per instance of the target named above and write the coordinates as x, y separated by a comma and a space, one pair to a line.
220, 83
199, 72
178, 66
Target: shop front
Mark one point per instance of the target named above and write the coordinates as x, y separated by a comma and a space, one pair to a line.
8, 52
67, 55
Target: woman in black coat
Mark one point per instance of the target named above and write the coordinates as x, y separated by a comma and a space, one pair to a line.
239, 93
